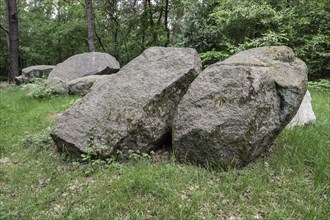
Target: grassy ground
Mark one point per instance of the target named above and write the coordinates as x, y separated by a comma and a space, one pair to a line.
38, 183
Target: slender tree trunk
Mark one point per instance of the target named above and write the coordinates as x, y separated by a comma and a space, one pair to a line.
166, 24
144, 20
90, 25
151, 20
5, 29
13, 39
176, 26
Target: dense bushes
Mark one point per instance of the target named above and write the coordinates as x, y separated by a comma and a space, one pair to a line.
220, 28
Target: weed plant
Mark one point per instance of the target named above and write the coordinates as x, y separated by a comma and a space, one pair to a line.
39, 89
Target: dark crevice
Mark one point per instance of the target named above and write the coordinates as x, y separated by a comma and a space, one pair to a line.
282, 100
164, 142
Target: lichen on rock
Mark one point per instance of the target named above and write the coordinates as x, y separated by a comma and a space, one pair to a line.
235, 109
132, 109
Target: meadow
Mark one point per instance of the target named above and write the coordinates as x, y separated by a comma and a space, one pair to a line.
292, 181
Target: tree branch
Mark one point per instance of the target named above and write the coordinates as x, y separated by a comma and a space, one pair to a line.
4, 29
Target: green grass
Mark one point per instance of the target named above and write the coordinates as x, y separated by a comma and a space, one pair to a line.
38, 183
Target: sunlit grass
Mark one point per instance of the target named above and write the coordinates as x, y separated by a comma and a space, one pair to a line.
38, 183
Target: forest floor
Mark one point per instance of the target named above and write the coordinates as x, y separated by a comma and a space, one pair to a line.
36, 182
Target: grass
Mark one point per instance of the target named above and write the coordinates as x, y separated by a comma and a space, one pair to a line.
38, 183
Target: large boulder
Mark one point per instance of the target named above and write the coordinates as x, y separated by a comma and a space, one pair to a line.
235, 109
131, 110
31, 73
305, 114
85, 64
82, 85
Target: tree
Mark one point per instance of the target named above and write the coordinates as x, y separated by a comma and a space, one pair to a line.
51, 31
13, 39
4, 65
90, 25
166, 24
219, 28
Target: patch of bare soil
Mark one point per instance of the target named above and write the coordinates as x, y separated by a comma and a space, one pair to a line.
5, 86
51, 117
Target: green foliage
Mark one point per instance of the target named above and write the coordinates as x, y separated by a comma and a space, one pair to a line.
38, 89
323, 85
315, 52
247, 19
227, 26
53, 30
211, 57
138, 156
269, 39
89, 163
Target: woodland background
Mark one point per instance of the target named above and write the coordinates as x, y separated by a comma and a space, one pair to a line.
52, 30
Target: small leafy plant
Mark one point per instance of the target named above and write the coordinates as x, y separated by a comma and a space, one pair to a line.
137, 155
38, 89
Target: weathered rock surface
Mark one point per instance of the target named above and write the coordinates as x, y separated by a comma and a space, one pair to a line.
85, 64
305, 114
130, 110
235, 109
81, 86
58, 86
33, 72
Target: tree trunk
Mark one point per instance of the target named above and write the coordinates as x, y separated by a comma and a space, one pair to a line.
176, 26
166, 24
90, 25
13, 39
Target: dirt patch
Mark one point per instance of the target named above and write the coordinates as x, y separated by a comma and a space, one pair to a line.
51, 117
5, 86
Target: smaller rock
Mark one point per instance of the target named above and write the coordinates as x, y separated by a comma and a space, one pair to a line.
19, 80
81, 86
31, 73
305, 114
5, 160
85, 64
58, 86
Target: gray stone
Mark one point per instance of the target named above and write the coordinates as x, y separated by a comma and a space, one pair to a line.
131, 110
235, 109
305, 114
81, 86
31, 73
58, 86
85, 64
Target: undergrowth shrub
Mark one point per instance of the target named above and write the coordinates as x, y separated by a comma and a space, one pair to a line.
213, 56
38, 89
268, 39
323, 85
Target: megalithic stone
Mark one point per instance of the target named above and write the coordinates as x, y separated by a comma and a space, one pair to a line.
235, 109
131, 110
